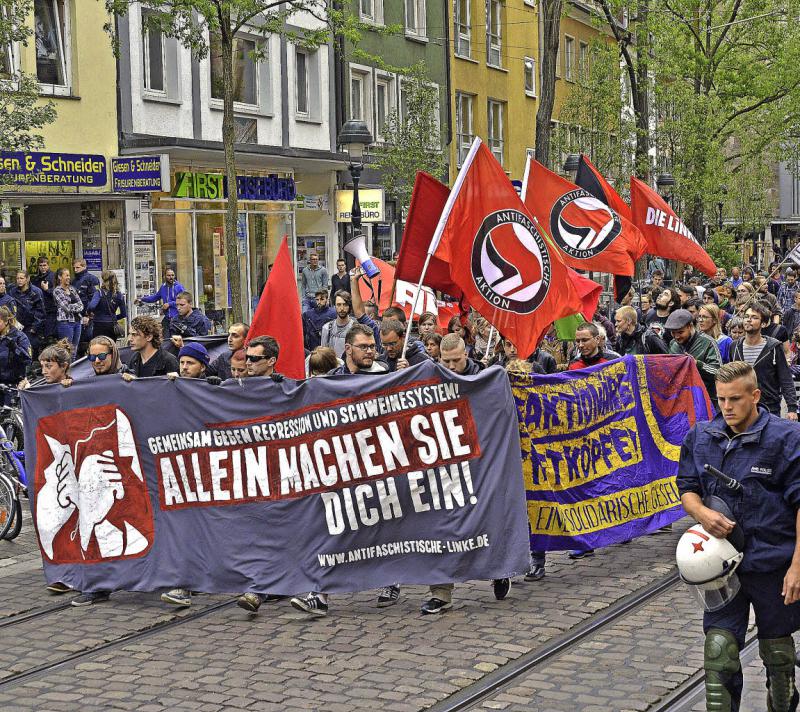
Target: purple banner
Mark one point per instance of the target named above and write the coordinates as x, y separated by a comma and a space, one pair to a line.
600, 448
332, 484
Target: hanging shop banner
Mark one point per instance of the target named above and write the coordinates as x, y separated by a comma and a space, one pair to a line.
600, 448
55, 169
140, 174
370, 200
333, 484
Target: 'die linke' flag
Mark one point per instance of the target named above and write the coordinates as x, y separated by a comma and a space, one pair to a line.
600, 448
499, 257
666, 235
344, 483
278, 315
590, 235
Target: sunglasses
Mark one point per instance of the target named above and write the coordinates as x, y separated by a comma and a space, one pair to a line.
98, 357
253, 358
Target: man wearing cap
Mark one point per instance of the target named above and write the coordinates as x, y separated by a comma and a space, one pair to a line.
193, 360
315, 318
686, 339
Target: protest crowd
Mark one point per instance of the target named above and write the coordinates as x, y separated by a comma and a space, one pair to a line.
741, 332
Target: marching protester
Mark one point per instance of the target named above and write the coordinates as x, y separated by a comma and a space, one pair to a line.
666, 303
767, 357
45, 280
221, 366
791, 316
759, 450
393, 335
238, 364
360, 352
15, 350
708, 322
334, 331
686, 339
166, 294
427, 324
87, 286
148, 359
588, 340
261, 356
69, 310
30, 309
108, 307
321, 361
787, 290
313, 278
189, 321
632, 338
315, 318
432, 344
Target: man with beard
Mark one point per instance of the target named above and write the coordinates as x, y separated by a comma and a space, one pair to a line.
167, 294
334, 332
359, 352
666, 303
315, 317
686, 339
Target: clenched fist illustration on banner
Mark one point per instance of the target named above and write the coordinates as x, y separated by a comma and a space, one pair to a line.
91, 499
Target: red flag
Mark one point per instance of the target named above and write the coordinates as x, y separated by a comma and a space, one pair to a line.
502, 262
589, 233
589, 178
278, 315
427, 202
588, 291
664, 231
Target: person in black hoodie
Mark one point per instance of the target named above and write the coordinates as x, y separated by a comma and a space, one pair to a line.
46, 281
766, 356
392, 337
149, 359
633, 338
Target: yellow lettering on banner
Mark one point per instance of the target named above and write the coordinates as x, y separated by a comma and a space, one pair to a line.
557, 466
591, 515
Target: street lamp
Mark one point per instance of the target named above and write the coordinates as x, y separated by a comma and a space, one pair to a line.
665, 182
354, 138
572, 163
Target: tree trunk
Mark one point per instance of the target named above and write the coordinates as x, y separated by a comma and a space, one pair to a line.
641, 92
551, 23
228, 135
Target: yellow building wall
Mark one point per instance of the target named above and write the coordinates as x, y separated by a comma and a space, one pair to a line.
520, 39
87, 120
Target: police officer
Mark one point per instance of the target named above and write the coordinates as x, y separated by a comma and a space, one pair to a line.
762, 452
15, 350
30, 308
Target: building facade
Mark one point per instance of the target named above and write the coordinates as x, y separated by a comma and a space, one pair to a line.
59, 201
372, 90
171, 106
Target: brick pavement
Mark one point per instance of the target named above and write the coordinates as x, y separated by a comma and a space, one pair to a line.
358, 658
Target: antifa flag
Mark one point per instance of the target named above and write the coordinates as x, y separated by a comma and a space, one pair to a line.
497, 255
589, 178
427, 203
331, 484
589, 233
664, 231
278, 315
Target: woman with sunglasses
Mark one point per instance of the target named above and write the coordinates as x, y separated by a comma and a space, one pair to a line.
103, 355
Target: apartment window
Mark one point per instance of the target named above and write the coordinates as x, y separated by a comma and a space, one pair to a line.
371, 11
51, 21
384, 104
301, 64
583, 62
360, 101
569, 58
464, 132
245, 73
494, 21
7, 70
415, 17
496, 143
153, 57
463, 28
530, 76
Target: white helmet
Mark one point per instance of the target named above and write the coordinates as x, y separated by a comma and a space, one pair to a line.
707, 564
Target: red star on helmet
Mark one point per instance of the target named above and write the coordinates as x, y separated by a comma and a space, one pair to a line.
698, 546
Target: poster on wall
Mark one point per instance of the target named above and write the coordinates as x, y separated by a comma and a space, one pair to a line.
145, 272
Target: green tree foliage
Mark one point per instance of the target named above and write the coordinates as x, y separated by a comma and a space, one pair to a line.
721, 248
22, 114
412, 142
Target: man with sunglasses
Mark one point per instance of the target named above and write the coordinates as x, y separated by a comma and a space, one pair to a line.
261, 356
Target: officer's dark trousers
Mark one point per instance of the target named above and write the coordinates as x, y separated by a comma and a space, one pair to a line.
773, 618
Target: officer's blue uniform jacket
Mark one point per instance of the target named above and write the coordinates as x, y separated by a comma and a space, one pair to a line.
6, 300
86, 285
766, 460
195, 323
15, 355
30, 308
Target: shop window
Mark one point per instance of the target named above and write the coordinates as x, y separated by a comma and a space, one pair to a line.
266, 231
52, 33
245, 130
463, 28
174, 233
245, 71
494, 22
464, 132
496, 142
415, 18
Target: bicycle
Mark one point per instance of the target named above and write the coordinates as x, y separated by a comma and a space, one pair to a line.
11, 416
13, 482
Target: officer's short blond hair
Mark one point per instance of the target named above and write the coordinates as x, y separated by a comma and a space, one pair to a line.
735, 370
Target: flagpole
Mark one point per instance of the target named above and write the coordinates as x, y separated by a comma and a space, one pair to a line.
752, 297
489, 343
437, 235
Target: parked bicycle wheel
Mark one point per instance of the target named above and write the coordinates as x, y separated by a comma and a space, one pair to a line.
16, 522
8, 505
